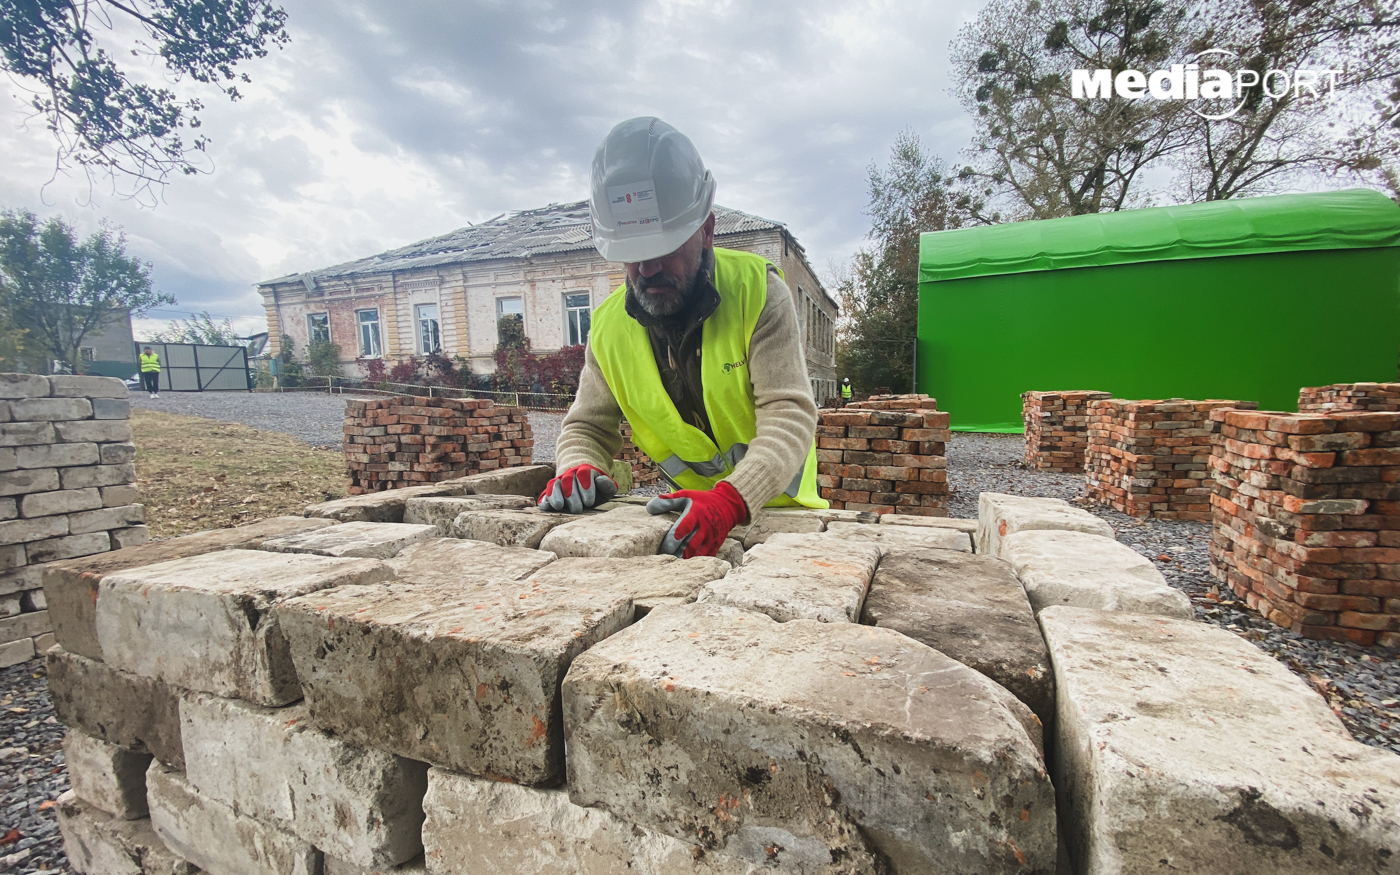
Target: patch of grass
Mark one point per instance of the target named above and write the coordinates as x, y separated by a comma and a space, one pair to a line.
197, 473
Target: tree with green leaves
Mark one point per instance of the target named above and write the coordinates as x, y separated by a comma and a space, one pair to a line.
879, 291
65, 52
201, 329
60, 290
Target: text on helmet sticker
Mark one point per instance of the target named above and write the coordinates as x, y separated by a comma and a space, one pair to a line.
634, 208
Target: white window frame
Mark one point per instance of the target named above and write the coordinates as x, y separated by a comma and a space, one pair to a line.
501, 314
87, 354
370, 344
429, 334
311, 327
570, 328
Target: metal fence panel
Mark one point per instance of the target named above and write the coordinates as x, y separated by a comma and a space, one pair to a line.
187, 367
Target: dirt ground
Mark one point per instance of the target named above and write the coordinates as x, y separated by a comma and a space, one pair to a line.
198, 473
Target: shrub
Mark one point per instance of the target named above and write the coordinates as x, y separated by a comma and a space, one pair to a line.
323, 358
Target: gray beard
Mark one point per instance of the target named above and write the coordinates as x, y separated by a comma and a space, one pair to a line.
660, 305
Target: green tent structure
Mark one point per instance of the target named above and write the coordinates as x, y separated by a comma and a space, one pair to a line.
1246, 299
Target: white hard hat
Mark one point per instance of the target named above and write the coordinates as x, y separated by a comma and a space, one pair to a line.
651, 191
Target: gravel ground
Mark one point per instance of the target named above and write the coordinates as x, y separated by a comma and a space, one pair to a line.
31, 773
1361, 685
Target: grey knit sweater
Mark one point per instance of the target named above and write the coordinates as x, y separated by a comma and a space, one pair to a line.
786, 411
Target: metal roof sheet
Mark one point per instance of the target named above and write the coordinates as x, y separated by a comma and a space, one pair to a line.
545, 231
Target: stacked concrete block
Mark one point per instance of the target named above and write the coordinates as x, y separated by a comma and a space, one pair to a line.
1307, 520
853, 697
1375, 397
66, 489
391, 506
393, 442
1057, 429
644, 470
1152, 458
886, 455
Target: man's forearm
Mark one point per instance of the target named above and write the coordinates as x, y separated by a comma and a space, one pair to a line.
785, 412
591, 432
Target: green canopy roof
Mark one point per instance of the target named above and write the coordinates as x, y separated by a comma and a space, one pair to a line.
1351, 219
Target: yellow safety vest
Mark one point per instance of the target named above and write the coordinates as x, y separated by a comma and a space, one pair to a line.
150, 363
846, 391
684, 453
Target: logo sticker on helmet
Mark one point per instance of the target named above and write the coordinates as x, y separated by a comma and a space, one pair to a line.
634, 208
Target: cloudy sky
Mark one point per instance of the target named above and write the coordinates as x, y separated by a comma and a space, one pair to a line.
381, 124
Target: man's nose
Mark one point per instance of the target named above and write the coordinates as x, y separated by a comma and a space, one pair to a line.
649, 268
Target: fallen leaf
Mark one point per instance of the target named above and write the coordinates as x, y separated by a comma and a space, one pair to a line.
10, 837
47, 804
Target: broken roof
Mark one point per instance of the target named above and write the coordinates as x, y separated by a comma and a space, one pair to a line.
545, 231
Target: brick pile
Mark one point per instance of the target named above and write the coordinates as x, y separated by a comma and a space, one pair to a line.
66, 490
1349, 396
1307, 520
405, 441
644, 470
1057, 428
1152, 458
886, 455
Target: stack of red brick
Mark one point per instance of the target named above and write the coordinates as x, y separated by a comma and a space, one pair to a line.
886, 455
1349, 396
1307, 520
405, 441
1152, 458
644, 470
1057, 428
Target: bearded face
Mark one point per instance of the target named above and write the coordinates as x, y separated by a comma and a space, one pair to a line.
664, 286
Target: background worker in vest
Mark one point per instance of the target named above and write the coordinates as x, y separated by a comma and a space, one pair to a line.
700, 349
150, 371
845, 391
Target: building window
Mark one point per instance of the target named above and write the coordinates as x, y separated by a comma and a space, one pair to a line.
87, 354
429, 335
318, 328
510, 322
578, 315
369, 332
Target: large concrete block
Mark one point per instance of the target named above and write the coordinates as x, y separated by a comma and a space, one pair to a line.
616, 534
15, 652
98, 844
808, 747
792, 577
357, 540
98, 475
441, 510
929, 522
206, 622
1184, 748
60, 455
648, 580
363, 806
894, 538
466, 678
26, 434
49, 409
102, 431
106, 519
69, 547
382, 507
63, 501
103, 774
29, 481
26, 531
71, 586
218, 839
111, 408
773, 522
24, 626
527, 480
971, 608
1086, 571
465, 564
118, 707
70, 386
508, 528
481, 827
999, 515
23, 386
331, 865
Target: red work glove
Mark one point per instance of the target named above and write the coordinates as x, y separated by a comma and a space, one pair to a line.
579, 487
706, 517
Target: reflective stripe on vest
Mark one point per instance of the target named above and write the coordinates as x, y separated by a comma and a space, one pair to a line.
684, 453
150, 363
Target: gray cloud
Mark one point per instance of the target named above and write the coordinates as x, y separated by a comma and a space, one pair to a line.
382, 124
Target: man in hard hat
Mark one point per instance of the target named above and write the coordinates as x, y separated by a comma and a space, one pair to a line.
699, 348
846, 391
